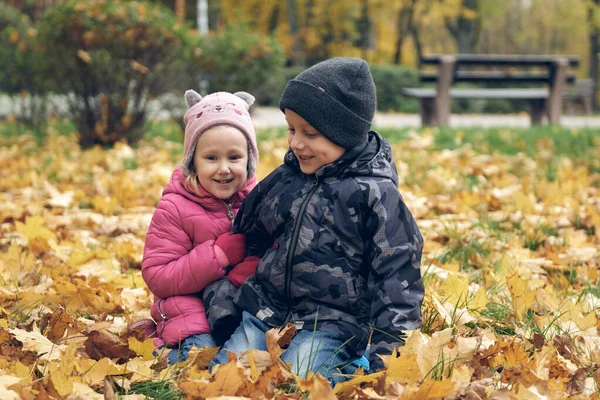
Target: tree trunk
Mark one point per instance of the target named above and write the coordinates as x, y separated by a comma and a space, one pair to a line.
180, 10
414, 31
465, 31
594, 49
214, 15
298, 49
403, 27
365, 27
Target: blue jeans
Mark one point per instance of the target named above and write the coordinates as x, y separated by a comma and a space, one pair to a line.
315, 351
180, 353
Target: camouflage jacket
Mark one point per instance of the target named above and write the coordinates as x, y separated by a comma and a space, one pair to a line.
340, 250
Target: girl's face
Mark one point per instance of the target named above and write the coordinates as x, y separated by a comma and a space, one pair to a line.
311, 148
221, 161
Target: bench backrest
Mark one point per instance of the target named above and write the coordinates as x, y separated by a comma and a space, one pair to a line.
500, 68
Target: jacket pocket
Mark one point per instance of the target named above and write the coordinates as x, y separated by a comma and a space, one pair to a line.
352, 289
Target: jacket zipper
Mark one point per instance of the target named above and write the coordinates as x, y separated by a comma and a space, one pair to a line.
230, 212
292, 250
163, 316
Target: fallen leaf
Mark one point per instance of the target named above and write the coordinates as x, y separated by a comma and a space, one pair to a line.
35, 341
100, 344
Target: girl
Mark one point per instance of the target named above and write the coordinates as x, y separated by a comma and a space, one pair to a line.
188, 244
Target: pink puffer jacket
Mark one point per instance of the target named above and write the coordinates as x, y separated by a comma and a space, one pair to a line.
179, 258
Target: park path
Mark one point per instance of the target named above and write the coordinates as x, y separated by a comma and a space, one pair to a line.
266, 117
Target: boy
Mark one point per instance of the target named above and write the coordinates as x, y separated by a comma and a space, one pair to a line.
340, 251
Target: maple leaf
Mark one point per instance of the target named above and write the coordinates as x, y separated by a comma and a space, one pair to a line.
58, 199
229, 380
7, 381
522, 298
431, 389
257, 361
456, 290
318, 388
35, 341
33, 229
63, 374
404, 370
267, 382
144, 349
100, 344
347, 388
59, 322
276, 339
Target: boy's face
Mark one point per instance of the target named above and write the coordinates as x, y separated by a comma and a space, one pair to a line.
221, 161
311, 148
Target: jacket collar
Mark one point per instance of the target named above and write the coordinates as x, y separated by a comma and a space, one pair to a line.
374, 158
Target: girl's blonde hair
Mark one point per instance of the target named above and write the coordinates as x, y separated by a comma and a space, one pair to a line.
191, 183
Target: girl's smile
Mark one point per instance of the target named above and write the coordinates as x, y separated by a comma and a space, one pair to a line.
221, 161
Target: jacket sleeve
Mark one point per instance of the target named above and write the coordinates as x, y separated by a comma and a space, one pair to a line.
395, 249
171, 265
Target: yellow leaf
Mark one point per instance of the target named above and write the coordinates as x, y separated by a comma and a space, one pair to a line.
346, 388
105, 205
93, 372
403, 369
431, 389
522, 298
84, 56
144, 349
63, 373
456, 290
33, 228
479, 301
318, 387
15, 261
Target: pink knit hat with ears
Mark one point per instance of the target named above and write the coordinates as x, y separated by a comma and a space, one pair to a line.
219, 108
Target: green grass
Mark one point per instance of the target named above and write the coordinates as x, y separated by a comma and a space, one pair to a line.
159, 390
574, 143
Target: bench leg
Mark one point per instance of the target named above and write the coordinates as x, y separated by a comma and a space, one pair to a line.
587, 104
446, 71
537, 109
558, 71
428, 117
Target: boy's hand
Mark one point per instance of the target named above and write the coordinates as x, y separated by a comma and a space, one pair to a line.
243, 270
230, 249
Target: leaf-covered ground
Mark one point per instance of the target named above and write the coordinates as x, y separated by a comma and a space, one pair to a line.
511, 270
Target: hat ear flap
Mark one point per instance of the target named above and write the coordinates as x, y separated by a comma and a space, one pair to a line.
192, 98
247, 97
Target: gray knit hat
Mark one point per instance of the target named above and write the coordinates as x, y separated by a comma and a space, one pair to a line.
337, 97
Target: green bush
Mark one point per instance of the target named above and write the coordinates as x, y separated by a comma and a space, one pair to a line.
271, 93
110, 57
237, 59
19, 68
390, 80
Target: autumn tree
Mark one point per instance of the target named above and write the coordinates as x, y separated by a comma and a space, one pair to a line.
463, 21
593, 17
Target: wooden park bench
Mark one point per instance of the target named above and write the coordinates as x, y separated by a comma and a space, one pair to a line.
548, 73
582, 92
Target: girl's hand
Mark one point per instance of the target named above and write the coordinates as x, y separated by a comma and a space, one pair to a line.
230, 249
